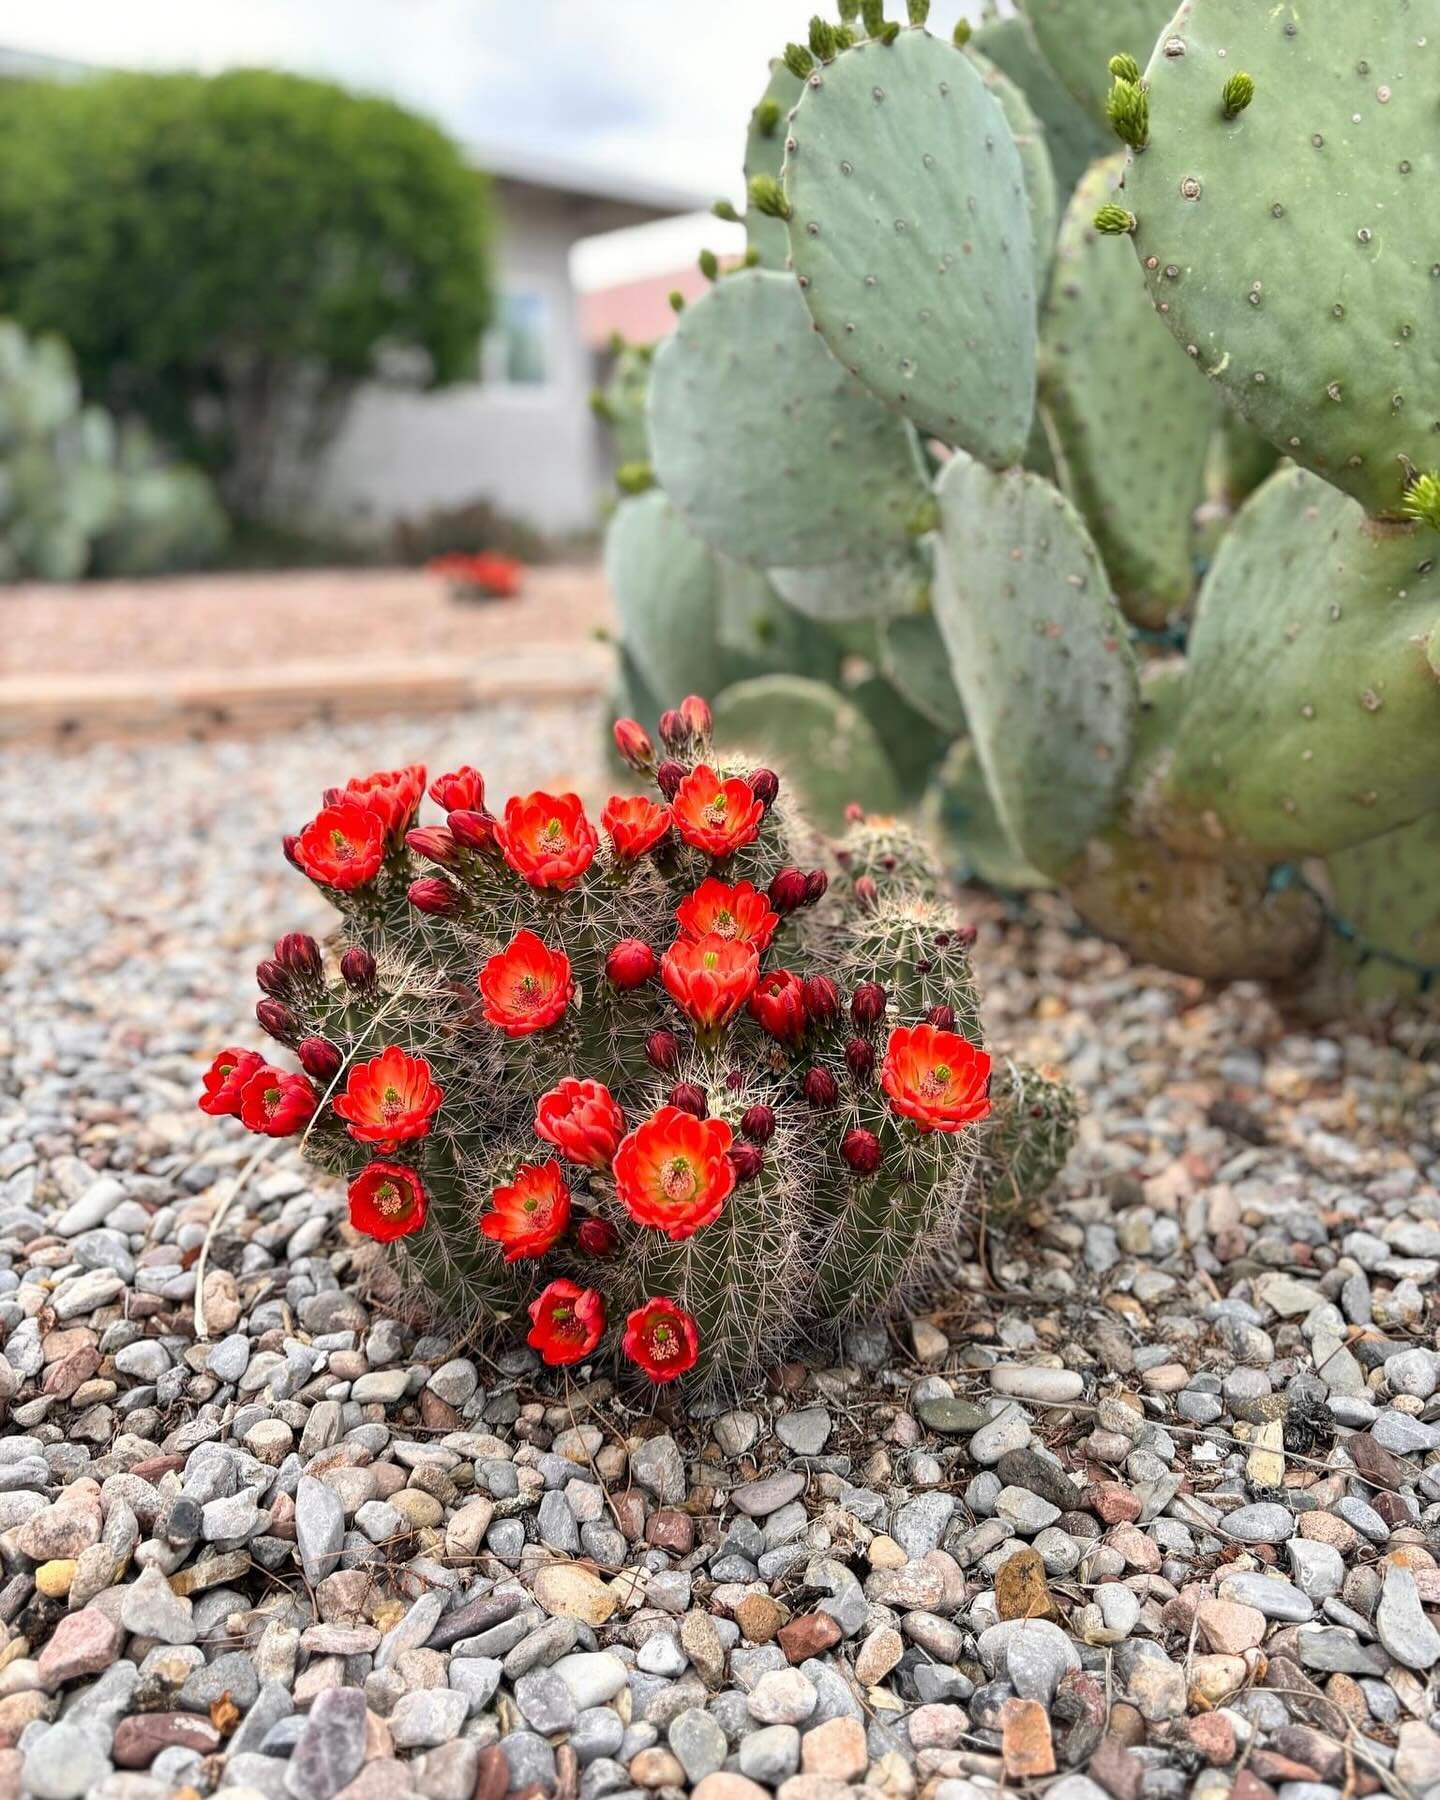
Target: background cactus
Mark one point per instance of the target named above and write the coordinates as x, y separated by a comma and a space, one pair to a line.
1148, 666
800, 1039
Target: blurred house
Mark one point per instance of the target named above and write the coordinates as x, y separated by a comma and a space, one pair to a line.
523, 437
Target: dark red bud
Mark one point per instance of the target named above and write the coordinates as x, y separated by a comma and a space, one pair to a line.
273, 979
696, 714
816, 883
867, 1004
289, 844
764, 785
662, 1050
690, 1098
630, 964
967, 934
734, 1080
822, 999
433, 894
860, 1150
860, 1058
854, 813
668, 778
787, 890
820, 1088
357, 968
674, 731
319, 1057
747, 1160
276, 1018
867, 893
333, 796
298, 952
472, 830
758, 1124
633, 743
943, 1016
597, 1237
435, 844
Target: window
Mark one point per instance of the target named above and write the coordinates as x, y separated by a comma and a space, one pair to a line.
517, 349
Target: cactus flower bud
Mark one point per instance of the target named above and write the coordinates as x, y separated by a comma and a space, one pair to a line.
820, 1088
662, 1050
854, 813
272, 978
689, 1096
758, 1124
867, 1004
633, 743
320, 1058
276, 1018
943, 1016
860, 1151
357, 968
816, 882
674, 729
822, 999
290, 844
696, 714
472, 830
764, 785
298, 952
746, 1160
597, 1237
668, 778
967, 935
787, 890
860, 1058
433, 894
866, 893
435, 844
630, 964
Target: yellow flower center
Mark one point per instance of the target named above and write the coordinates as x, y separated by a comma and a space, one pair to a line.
553, 836
391, 1103
711, 959
937, 1082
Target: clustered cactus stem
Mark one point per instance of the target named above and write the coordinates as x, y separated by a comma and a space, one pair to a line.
658, 1087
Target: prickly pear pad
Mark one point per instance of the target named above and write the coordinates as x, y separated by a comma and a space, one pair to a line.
910, 232
1294, 250
1077, 38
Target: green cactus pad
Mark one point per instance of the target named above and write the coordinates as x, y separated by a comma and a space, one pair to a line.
1135, 469
1077, 38
912, 654
1072, 136
913, 744
772, 452
818, 741
764, 155
1388, 891
1240, 459
1041, 188
960, 815
910, 231
1312, 704
885, 585
758, 632
621, 404
663, 582
1039, 653
1293, 249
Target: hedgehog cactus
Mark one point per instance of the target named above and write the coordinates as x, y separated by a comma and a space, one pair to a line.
664, 1086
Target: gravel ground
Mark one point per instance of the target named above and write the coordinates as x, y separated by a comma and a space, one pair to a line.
1150, 1505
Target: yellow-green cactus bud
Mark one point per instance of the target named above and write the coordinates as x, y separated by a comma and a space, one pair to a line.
1128, 110
1124, 67
1422, 499
1114, 221
767, 197
635, 477
1237, 94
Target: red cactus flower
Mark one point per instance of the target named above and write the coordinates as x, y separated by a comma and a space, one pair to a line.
630, 964
224, 1081
463, 790
672, 1172
634, 824
633, 743
669, 776
530, 1214
778, 1004
342, 847
569, 1322
393, 795
739, 912
695, 711
710, 979
718, 817
582, 1121
387, 1201
937, 1078
674, 729
546, 839
527, 986
276, 1104
597, 1237
317, 1056
389, 1099
860, 1150
662, 1339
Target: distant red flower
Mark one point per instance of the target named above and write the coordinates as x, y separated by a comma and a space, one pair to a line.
662, 1339
546, 839
672, 1172
224, 1081
710, 979
526, 986
630, 964
387, 1201
276, 1104
582, 1121
484, 572
634, 824
739, 912
531, 1213
778, 1004
393, 795
937, 1078
462, 790
718, 817
343, 846
389, 1099
569, 1322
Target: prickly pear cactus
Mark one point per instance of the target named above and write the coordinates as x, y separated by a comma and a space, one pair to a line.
620, 404
1038, 172
1073, 137
764, 156
910, 232
1286, 213
912, 654
821, 742
1385, 891
1077, 38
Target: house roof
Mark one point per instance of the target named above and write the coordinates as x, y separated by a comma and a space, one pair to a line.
632, 198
